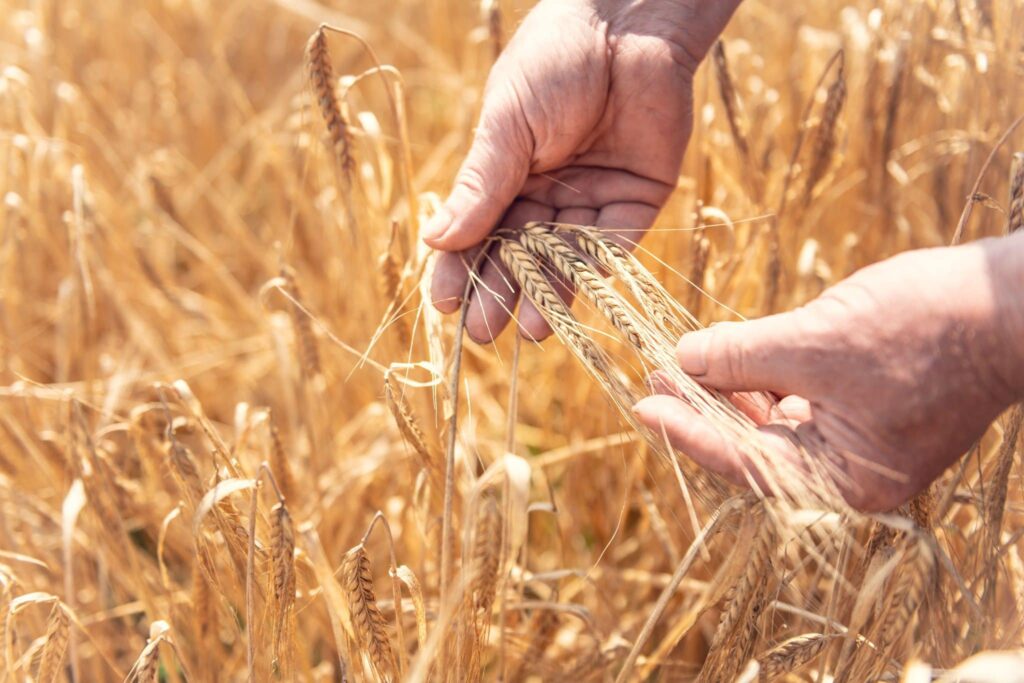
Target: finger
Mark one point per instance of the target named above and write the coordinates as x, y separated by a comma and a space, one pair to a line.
593, 186
699, 439
486, 304
661, 383
448, 285
488, 181
577, 215
764, 354
796, 408
625, 223
493, 300
758, 406
693, 435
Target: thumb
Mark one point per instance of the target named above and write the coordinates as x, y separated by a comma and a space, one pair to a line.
763, 354
488, 181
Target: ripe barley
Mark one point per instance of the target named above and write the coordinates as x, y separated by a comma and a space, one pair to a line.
56, 644
739, 623
408, 426
652, 298
308, 351
825, 137
486, 555
790, 655
321, 77
1015, 211
282, 544
369, 623
568, 262
280, 466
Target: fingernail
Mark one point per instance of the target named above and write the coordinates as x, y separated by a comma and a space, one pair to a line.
692, 352
438, 225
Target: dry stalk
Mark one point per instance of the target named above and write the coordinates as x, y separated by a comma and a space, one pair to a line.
147, 667
204, 614
995, 503
905, 595
738, 624
542, 628
491, 11
698, 270
6, 597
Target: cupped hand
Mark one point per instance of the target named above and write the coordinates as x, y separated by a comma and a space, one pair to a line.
896, 371
585, 118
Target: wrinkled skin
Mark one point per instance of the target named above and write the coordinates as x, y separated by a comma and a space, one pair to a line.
585, 119
898, 369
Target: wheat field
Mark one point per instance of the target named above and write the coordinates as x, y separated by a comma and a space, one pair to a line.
238, 443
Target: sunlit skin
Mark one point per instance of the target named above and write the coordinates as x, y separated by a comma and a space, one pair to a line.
586, 115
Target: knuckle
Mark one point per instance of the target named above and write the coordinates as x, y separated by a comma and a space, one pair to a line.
734, 356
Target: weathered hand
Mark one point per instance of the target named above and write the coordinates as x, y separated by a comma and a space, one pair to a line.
898, 369
585, 118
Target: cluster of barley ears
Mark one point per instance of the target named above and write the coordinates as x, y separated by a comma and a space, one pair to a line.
238, 443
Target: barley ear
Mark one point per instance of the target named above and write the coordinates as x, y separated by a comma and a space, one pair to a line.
282, 543
367, 620
321, 77
825, 137
55, 646
1015, 212
790, 655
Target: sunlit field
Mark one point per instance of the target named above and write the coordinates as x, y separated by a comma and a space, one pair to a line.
237, 442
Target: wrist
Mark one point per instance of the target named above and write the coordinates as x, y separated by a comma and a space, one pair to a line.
690, 26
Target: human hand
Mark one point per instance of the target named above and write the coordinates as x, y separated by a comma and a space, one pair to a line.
897, 370
585, 118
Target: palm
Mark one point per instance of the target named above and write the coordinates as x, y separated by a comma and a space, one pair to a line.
603, 122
